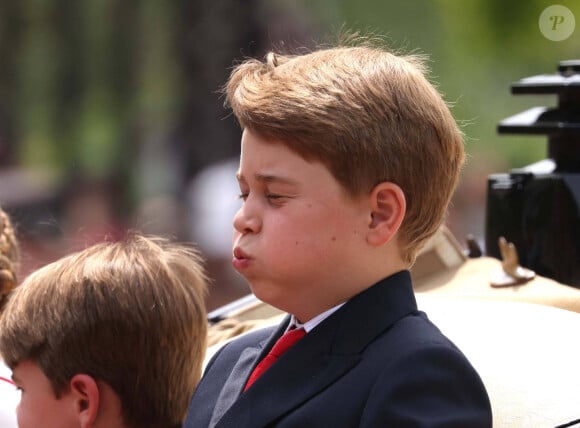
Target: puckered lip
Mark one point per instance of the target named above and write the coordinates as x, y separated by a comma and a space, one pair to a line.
240, 254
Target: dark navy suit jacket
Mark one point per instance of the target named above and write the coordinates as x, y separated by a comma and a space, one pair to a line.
375, 362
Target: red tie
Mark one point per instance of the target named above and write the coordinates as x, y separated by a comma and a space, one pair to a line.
282, 345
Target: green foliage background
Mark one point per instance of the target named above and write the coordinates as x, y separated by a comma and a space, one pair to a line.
88, 86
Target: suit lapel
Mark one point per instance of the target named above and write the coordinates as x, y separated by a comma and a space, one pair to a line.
235, 383
302, 372
323, 356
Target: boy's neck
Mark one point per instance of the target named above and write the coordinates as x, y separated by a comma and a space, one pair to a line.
312, 309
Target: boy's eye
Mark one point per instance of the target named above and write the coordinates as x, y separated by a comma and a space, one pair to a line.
273, 198
244, 195
276, 200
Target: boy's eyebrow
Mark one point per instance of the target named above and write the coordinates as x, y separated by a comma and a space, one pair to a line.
268, 178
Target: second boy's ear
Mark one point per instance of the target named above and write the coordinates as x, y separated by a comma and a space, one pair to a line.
85, 392
388, 206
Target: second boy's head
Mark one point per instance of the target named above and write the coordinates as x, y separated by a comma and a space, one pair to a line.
367, 117
116, 332
8, 258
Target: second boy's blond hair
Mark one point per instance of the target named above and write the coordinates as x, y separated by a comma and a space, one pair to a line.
9, 254
130, 314
367, 114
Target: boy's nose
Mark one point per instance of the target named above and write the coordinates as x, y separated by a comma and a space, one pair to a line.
246, 222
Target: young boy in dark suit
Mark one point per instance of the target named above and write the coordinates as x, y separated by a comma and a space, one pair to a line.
349, 158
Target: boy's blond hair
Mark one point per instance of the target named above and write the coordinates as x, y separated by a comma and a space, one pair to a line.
8, 258
368, 115
130, 314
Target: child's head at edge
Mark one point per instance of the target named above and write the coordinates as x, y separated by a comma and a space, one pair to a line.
368, 115
9, 253
130, 314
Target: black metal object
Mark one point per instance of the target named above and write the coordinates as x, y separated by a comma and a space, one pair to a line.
538, 207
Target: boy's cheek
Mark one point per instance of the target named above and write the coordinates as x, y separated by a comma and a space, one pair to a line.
29, 415
42, 413
21, 416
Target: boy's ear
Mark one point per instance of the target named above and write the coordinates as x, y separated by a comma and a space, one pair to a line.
388, 206
85, 392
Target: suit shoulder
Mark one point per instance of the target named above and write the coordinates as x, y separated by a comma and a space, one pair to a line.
417, 331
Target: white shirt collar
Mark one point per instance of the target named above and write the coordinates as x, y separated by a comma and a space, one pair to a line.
309, 325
